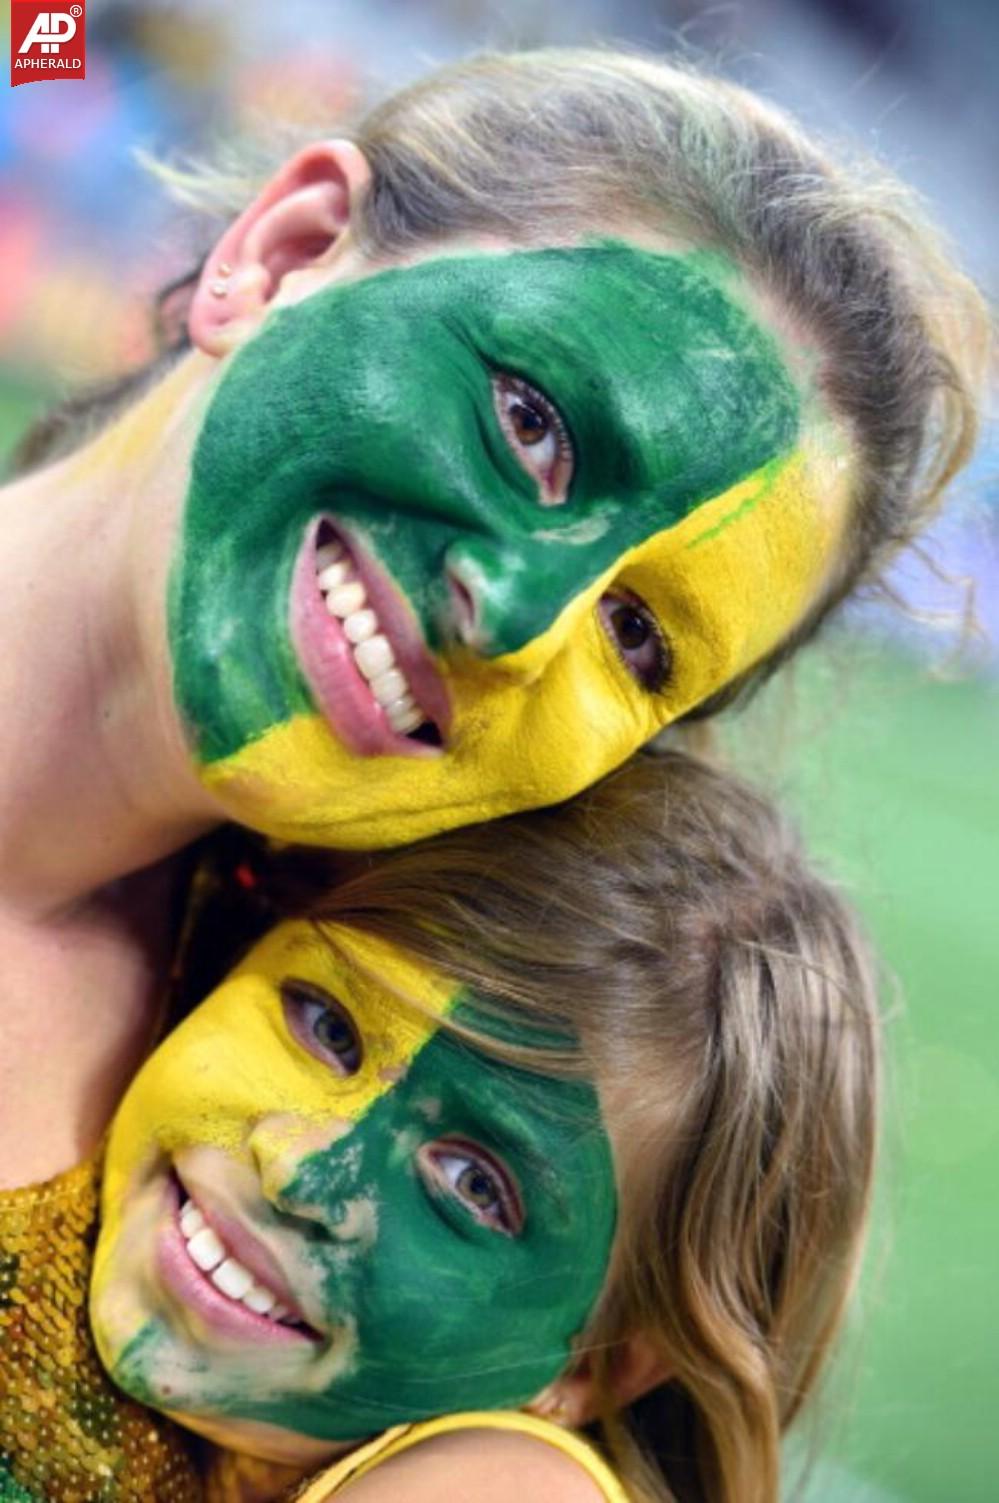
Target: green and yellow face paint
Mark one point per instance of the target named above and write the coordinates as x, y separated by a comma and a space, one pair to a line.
429, 1226
461, 535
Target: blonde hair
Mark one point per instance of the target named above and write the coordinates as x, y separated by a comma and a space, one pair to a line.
724, 999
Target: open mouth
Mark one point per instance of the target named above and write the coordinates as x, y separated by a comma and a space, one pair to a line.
205, 1272
361, 651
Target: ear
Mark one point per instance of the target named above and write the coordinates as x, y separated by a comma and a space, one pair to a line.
572, 1399
292, 224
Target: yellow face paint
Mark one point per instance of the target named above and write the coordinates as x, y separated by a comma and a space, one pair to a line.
726, 584
441, 1221
189, 1093
147, 427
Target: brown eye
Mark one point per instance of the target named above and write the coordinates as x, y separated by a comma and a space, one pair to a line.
537, 435
321, 1025
638, 638
477, 1187
630, 627
477, 1181
529, 424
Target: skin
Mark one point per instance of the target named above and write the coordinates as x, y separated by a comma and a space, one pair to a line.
423, 1300
693, 494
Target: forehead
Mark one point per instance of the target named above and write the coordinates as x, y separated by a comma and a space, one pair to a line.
396, 1004
393, 1000
671, 387
730, 580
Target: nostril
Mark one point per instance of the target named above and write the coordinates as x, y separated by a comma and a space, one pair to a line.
356, 1223
464, 614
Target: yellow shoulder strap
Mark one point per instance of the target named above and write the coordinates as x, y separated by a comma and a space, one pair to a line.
404, 1437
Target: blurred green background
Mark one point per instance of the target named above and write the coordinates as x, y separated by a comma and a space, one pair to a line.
894, 775
892, 767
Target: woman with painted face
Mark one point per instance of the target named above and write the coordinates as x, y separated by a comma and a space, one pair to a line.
561, 401
424, 1189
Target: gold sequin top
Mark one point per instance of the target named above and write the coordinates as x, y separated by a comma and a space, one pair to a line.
67, 1435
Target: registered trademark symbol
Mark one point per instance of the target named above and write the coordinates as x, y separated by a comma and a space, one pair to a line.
76, 11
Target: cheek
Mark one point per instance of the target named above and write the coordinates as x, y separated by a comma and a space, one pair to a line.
457, 1319
132, 1212
567, 714
529, 730
520, 748
184, 1096
223, 1069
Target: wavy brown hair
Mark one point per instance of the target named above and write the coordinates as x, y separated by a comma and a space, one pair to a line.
724, 1000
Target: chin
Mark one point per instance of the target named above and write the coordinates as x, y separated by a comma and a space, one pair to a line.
261, 1441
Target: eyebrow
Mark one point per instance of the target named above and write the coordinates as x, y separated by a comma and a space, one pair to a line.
584, 408
514, 1144
307, 944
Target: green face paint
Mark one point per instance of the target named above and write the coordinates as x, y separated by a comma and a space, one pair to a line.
373, 404
443, 1220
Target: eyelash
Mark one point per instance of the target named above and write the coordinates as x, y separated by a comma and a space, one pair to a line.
509, 1219
297, 997
654, 677
565, 454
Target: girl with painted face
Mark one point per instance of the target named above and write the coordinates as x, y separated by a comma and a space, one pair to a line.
424, 1186
451, 495
559, 402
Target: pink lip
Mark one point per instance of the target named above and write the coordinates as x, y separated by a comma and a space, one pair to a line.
194, 1288
326, 657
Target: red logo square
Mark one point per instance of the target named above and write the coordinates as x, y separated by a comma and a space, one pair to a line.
46, 43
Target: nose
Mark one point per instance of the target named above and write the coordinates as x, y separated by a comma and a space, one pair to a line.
464, 604
285, 1151
501, 597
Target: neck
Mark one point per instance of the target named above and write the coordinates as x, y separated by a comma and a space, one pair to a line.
250, 1461
239, 1478
95, 779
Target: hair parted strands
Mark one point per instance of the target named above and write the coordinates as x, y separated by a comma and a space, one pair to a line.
725, 1002
564, 142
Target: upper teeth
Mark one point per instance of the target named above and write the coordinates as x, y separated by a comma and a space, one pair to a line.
209, 1253
346, 598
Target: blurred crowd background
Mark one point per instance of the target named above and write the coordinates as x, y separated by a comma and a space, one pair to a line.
894, 760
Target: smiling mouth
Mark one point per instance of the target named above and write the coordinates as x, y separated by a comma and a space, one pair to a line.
361, 652
215, 1277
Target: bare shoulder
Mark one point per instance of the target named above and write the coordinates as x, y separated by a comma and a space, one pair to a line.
489, 1466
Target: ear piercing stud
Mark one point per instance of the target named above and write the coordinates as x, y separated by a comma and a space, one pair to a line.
220, 287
